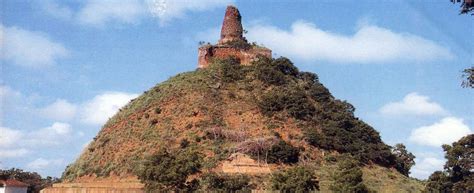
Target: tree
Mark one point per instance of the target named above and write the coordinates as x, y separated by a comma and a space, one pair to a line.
404, 159
296, 179
33, 179
438, 182
348, 177
466, 6
468, 74
458, 173
226, 183
169, 170
460, 163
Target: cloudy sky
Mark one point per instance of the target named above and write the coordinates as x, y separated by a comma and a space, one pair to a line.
67, 66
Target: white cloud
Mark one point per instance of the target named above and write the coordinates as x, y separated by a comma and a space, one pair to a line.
59, 110
41, 163
54, 9
413, 104
12, 153
16, 143
370, 44
56, 134
100, 12
446, 131
9, 137
167, 10
29, 49
104, 106
424, 167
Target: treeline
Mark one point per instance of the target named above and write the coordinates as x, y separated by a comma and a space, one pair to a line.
33, 179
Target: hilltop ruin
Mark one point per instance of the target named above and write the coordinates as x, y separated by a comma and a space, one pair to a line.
232, 43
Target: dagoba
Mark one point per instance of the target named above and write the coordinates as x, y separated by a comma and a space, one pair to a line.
232, 43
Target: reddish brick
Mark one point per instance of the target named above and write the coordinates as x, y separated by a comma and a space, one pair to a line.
232, 43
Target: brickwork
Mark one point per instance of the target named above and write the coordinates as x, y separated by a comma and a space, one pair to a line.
231, 26
232, 43
241, 163
246, 56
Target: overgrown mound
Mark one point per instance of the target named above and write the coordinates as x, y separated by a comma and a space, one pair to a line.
269, 111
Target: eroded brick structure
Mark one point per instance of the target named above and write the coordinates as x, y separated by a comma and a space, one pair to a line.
232, 43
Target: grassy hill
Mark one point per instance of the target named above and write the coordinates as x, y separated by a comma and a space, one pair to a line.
270, 111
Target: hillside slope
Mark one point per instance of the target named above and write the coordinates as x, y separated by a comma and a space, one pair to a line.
227, 109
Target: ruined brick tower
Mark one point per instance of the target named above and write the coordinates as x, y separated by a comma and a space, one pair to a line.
232, 43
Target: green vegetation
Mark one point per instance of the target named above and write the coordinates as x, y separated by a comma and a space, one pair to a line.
348, 177
170, 170
293, 100
228, 70
33, 179
226, 183
404, 159
296, 179
269, 110
283, 152
458, 175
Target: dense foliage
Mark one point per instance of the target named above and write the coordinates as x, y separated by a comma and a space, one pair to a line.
226, 183
33, 179
348, 177
404, 159
269, 110
296, 179
282, 152
169, 170
458, 174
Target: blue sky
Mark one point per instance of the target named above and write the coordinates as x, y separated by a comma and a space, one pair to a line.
66, 66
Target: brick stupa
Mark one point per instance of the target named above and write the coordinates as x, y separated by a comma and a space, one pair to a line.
232, 43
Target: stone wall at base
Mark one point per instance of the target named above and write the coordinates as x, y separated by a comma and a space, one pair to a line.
91, 190
96, 187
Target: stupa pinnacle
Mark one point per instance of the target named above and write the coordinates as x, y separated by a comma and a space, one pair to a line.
232, 26
232, 43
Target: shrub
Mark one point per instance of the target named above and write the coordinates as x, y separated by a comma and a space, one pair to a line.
157, 110
283, 152
293, 100
296, 179
228, 70
153, 122
169, 170
184, 143
285, 66
308, 77
348, 177
226, 183
266, 72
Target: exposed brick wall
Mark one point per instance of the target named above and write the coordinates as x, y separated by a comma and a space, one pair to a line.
231, 26
246, 56
232, 43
